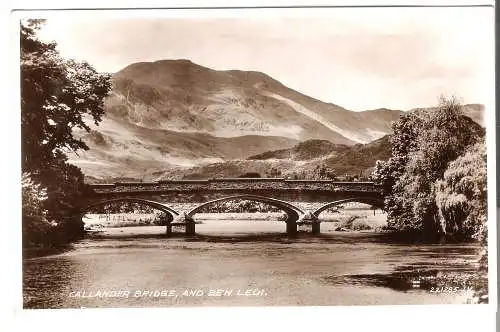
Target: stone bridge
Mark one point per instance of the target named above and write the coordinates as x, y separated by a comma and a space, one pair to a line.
277, 192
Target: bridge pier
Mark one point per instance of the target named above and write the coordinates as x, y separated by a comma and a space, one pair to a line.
183, 220
291, 227
316, 227
190, 227
311, 219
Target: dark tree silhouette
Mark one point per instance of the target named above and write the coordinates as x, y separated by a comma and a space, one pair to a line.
57, 96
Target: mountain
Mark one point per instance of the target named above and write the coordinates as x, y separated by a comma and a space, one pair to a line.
179, 95
172, 114
172, 118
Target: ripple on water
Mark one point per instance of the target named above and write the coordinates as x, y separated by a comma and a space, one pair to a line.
408, 279
307, 270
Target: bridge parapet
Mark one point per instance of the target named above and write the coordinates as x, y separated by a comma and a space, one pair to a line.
236, 184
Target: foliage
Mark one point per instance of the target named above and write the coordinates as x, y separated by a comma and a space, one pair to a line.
423, 144
250, 175
57, 97
461, 194
122, 207
320, 172
324, 173
35, 223
240, 206
33, 196
273, 172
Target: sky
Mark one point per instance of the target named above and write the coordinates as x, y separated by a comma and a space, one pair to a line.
360, 59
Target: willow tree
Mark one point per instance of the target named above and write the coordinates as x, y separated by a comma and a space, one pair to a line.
461, 194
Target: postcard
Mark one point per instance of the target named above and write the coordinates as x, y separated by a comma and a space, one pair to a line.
257, 157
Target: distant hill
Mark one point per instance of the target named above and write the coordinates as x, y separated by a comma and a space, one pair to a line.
303, 151
342, 159
361, 158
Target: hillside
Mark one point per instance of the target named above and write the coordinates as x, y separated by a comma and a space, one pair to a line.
360, 158
306, 150
342, 159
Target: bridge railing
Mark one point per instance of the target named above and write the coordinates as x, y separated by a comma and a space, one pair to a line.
256, 184
243, 180
247, 180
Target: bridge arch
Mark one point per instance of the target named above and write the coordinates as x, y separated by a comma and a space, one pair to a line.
377, 202
293, 213
171, 213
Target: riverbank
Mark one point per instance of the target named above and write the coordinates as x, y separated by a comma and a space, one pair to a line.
208, 225
346, 221
41, 251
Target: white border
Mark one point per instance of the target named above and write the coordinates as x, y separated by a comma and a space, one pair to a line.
490, 121
116, 4
387, 318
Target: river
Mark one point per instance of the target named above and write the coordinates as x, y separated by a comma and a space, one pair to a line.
138, 267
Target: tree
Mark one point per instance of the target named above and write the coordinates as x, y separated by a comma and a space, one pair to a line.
331, 175
57, 97
35, 223
65, 190
461, 194
250, 175
273, 172
423, 144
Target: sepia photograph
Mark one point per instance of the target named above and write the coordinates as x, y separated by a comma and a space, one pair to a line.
256, 157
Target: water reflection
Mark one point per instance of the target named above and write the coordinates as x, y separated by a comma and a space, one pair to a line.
47, 281
433, 281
